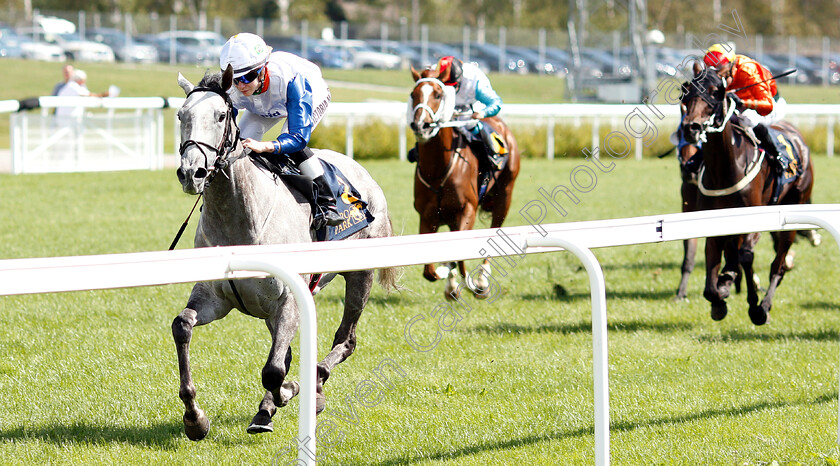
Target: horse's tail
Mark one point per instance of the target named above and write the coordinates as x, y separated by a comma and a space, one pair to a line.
388, 277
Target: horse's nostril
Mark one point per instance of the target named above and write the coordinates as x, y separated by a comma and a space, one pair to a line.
413, 126
181, 175
694, 126
200, 173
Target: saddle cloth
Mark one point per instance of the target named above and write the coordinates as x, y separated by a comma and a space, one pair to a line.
348, 201
486, 170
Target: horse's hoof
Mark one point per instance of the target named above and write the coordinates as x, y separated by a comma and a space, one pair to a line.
815, 238
198, 427
719, 311
758, 315
482, 293
452, 295
261, 423
288, 391
789, 260
320, 402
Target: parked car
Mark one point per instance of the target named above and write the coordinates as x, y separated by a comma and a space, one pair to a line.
74, 46
199, 47
324, 57
9, 47
362, 55
609, 65
778, 63
491, 53
544, 65
408, 54
126, 48
33, 50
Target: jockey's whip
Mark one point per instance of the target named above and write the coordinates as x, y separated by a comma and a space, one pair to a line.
184, 226
788, 72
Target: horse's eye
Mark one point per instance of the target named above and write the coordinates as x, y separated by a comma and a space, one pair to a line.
438, 95
221, 118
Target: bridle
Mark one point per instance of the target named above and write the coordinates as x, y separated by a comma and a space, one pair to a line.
719, 111
225, 147
723, 109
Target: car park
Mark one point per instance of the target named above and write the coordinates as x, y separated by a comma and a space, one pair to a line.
537, 64
31, 49
492, 55
362, 55
310, 49
126, 47
408, 54
197, 47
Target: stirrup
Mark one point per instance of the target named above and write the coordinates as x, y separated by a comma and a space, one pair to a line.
497, 161
326, 216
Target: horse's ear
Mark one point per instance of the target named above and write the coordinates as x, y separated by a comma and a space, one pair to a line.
415, 74
184, 83
697, 68
227, 77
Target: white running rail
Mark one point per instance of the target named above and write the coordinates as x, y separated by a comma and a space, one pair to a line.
58, 274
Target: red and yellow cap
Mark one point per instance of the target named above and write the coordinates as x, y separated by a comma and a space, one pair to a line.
719, 55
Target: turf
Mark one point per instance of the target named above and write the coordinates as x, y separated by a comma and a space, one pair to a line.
91, 377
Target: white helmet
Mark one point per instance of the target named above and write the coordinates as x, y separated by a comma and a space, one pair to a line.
244, 52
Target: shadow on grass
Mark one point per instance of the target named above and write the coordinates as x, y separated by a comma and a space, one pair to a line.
614, 427
562, 295
581, 327
739, 336
163, 436
821, 306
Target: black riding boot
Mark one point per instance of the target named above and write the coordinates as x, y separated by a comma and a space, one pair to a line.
492, 146
328, 214
412, 154
778, 156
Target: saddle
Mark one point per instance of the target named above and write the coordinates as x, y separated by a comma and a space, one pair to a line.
784, 145
348, 201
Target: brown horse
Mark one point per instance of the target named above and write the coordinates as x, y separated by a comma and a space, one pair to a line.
736, 174
446, 190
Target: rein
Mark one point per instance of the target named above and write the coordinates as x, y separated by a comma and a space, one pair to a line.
222, 151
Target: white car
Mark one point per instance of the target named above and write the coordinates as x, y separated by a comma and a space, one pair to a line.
364, 56
31, 49
80, 49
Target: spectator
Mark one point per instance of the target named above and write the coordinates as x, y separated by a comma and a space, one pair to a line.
67, 71
75, 87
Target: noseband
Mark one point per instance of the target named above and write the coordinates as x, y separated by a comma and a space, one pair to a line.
227, 145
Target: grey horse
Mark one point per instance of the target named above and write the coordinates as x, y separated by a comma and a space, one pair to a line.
246, 205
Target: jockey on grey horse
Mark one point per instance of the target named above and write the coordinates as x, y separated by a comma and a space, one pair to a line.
269, 87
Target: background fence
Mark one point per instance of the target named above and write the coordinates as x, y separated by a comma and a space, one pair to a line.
129, 133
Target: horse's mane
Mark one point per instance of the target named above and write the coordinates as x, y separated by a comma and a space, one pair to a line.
213, 82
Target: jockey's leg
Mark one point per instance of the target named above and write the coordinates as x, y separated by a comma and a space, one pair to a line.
492, 144
779, 156
311, 168
412, 154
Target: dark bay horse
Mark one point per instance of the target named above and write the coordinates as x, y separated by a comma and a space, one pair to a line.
446, 188
736, 174
243, 205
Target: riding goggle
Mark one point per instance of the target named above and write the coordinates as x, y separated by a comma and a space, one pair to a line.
248, 77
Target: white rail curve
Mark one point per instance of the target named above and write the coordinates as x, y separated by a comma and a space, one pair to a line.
286, 262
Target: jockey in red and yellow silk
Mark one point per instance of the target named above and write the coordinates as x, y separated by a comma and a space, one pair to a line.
759, 104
